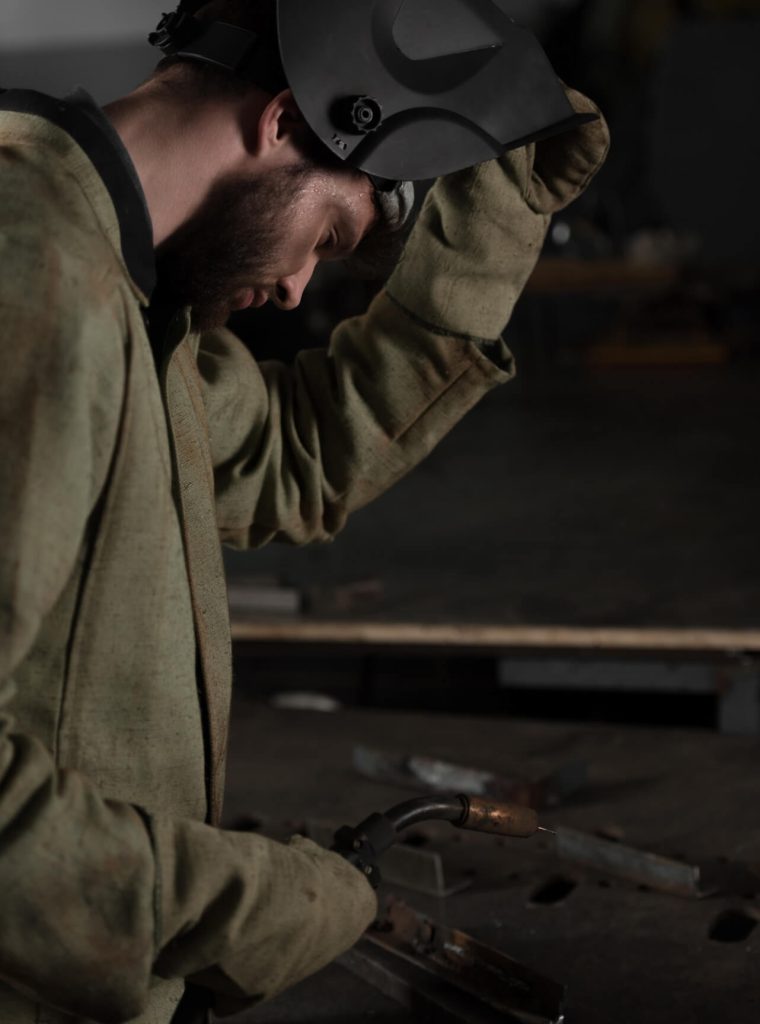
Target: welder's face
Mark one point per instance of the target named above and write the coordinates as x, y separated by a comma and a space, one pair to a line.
260, 239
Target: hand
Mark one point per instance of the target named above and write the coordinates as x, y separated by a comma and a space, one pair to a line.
481, 231
345, 900
245, 917
558, 170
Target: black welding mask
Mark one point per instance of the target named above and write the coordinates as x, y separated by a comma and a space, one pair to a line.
400, 89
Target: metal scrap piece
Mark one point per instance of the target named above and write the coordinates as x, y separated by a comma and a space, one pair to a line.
412, 957
693, 881
411, 770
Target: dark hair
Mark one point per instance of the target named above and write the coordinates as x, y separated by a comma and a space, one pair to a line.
379, 251
258, 16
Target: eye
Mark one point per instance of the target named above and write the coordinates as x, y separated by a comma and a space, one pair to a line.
330, 242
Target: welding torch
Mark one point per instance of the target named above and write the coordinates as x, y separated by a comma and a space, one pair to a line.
363, 845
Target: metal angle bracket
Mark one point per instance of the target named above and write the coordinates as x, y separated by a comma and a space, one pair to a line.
410, 867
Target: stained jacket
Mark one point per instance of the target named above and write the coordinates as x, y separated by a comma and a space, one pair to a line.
122, 465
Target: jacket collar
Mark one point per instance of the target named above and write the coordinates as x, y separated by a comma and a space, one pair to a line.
81, 119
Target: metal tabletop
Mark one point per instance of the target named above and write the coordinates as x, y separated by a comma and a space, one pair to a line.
626, 953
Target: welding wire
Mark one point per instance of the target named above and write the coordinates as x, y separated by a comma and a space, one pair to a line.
550, 831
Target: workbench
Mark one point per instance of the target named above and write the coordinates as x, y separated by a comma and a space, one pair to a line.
619, 507
627, 954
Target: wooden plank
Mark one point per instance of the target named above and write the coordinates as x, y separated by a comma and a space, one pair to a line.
390, 634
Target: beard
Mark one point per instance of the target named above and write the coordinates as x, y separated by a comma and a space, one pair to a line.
234, 240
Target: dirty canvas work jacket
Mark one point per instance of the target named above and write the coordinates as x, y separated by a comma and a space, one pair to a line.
122, 465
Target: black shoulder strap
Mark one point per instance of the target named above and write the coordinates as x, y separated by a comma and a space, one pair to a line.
135, 228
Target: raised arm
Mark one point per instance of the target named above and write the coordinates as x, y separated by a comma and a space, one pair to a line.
297, 450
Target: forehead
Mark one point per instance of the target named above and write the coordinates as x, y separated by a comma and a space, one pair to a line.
348, 194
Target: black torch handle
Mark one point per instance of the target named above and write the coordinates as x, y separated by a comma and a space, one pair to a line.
363, 845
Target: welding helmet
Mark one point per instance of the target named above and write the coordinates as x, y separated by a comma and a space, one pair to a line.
399, 89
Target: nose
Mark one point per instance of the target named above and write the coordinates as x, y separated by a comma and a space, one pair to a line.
290, 289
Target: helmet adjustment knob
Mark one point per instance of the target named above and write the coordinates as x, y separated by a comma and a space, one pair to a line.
366, 114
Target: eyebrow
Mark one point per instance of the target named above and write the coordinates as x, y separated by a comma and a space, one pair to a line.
350, 238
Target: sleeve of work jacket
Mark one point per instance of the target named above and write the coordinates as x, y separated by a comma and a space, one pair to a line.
297, 450
96, 896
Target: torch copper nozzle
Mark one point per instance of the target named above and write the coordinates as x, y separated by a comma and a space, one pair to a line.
484, 815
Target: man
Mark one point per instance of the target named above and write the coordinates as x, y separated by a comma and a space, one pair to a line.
128, 450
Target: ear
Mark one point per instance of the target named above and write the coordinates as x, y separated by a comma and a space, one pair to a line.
279, 124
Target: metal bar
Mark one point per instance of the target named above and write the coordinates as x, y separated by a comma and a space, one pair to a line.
427, 997
739, 704
491, 980
692, 881
646, 675
416, 771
